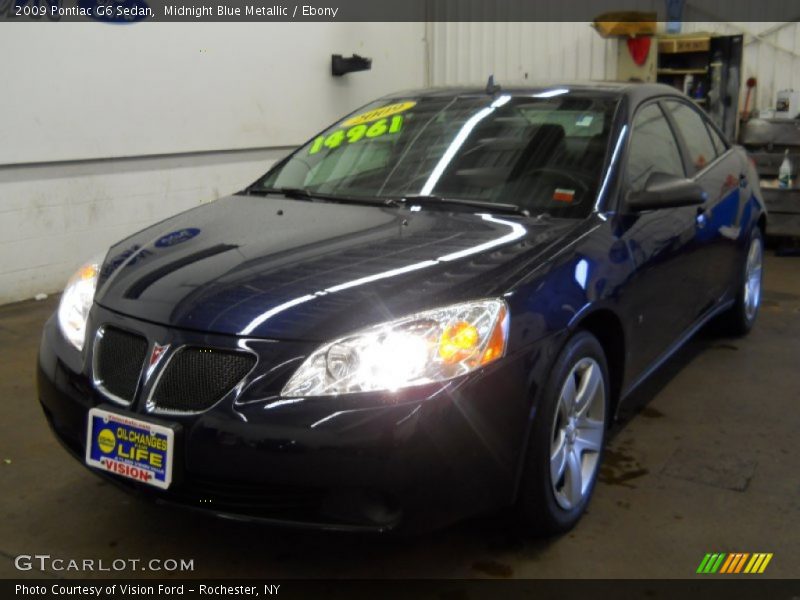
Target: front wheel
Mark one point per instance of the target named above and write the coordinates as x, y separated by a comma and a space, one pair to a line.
567, 439
742, 315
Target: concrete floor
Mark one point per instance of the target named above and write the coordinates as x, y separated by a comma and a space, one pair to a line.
706, 462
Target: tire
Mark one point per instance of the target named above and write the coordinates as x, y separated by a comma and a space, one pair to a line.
545, 506
741, 317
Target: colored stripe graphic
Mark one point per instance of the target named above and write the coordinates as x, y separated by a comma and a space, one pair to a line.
755, 561
764, 564
734, 563
736, 557
741, 562
758, 563
711, 562
727, 564
703, 563
717, 564
737, 563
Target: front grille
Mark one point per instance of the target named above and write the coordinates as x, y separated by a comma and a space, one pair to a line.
196, 378
118, 361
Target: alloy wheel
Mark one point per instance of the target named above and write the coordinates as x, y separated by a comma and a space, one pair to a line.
752, 279
577, 433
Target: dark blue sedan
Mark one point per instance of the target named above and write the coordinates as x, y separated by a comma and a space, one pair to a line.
432, 309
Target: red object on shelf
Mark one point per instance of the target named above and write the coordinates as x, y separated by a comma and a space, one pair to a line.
751, 84
639, 48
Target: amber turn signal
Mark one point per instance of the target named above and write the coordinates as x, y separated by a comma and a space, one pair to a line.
496, 346
458, 341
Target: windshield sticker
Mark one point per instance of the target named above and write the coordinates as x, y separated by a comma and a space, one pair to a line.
584, 121
563, 195
357, 133
379, 113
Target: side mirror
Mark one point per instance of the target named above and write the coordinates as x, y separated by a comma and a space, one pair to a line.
665, 191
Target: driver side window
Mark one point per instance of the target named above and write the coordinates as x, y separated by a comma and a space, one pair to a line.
653, 148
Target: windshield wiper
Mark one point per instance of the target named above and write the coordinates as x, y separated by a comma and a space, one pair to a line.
289, 192
304, 194
426, 200
432, 200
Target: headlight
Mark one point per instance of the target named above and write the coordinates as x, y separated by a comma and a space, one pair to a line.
76, 301
435, 345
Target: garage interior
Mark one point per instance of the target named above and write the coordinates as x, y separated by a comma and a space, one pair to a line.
169, 116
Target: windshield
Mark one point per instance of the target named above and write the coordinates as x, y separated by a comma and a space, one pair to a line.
542, 154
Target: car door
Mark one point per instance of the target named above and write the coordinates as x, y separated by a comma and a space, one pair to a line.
660, 297
719, 171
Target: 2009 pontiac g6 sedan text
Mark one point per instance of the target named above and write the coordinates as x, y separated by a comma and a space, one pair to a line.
434, 308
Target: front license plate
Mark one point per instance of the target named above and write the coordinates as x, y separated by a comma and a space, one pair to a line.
130, 447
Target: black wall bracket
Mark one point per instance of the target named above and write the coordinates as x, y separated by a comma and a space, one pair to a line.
341, 65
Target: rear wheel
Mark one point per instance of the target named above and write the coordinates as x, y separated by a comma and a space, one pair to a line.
740, 318
567, 439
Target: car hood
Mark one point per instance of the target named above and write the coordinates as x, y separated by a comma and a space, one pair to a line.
299, 270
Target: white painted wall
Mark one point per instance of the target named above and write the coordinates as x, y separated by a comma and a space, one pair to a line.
85, 107
92, 90
519, 52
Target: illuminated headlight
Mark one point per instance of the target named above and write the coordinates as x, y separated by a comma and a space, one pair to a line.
76, 301
425, 347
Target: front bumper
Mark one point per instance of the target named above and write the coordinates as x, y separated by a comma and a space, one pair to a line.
415, 460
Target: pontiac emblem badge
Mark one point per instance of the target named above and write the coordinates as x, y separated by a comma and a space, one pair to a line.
158, 352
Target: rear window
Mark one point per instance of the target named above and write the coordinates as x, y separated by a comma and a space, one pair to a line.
576, 123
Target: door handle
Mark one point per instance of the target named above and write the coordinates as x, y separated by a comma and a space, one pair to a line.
702, 217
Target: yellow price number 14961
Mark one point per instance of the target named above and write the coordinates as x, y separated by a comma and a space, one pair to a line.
356, 133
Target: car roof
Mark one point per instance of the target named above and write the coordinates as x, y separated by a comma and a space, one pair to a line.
635, 92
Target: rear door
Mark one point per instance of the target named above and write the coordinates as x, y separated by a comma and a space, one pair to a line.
712, 163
